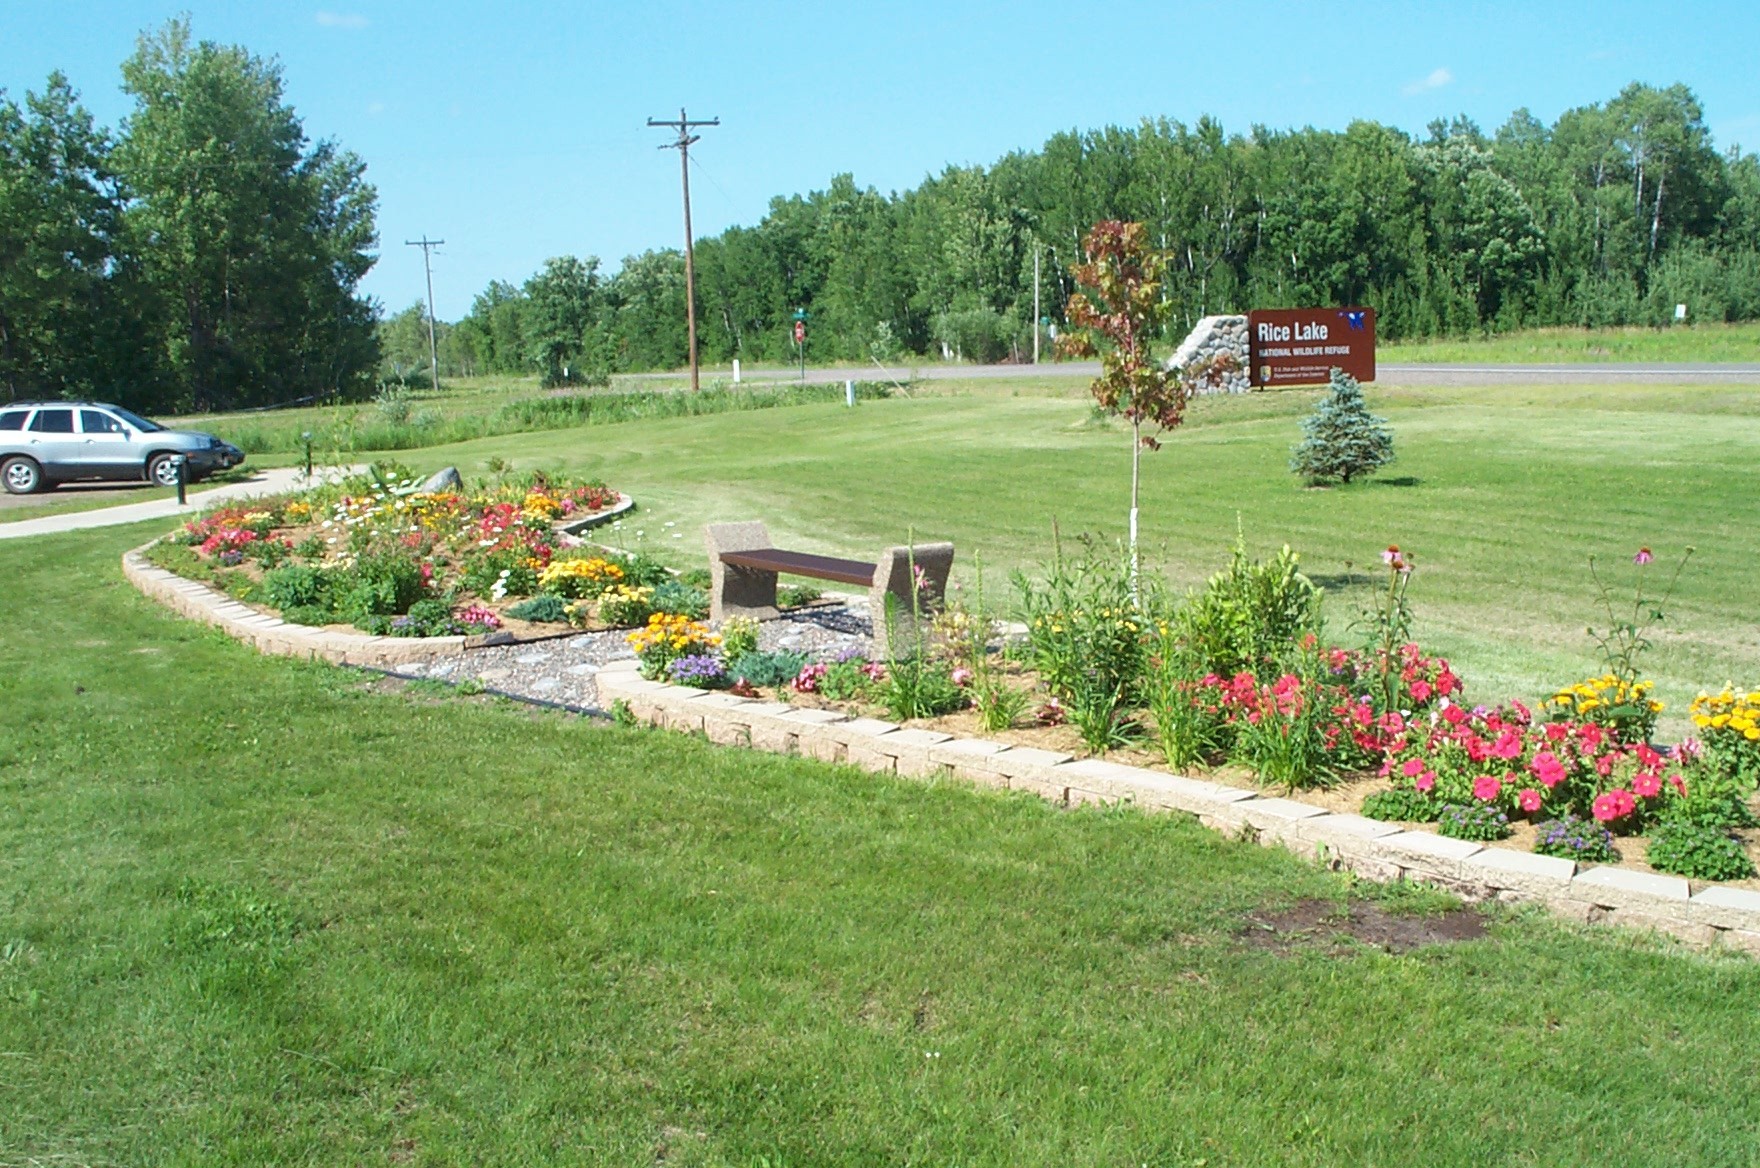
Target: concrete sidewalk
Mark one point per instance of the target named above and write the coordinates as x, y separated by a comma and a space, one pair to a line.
264, 482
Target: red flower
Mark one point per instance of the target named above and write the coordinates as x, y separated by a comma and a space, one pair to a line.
1420, 691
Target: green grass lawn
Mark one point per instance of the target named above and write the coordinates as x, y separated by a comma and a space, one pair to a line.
1501, 494
257, 912
1700, 342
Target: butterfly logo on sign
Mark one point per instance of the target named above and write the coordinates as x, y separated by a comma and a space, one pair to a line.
1356, 318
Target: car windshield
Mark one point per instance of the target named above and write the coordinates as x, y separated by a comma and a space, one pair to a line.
137, 421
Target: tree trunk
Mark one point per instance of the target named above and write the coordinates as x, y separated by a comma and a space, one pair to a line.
1656, 218
1136, 466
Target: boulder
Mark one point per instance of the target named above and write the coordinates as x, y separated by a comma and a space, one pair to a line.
443, 480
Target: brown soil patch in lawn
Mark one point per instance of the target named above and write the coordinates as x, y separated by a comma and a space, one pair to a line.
1323, 924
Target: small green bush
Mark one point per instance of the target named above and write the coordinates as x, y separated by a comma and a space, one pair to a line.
739, 636
307, 614
426, 618
1401, 804
378, 584
1698, 852
485, 573
767, 669
1248, 613
1473, 821
625, 608
795, 595
541, 609
297, 586
680, 599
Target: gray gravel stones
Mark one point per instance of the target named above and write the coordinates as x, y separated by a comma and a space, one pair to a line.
564, 670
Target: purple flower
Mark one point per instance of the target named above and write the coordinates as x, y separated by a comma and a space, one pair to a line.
698, 669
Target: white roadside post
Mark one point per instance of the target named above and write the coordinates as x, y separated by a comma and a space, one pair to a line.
736, 370
849, 393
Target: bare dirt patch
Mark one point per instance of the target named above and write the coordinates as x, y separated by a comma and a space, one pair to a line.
1312, 924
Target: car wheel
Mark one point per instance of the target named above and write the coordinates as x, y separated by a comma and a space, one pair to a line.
162, 471
22, 476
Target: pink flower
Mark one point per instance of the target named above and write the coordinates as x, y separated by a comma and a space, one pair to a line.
1420, 691
1508, 745
1528, 799
1412, 768
1643, 556
961, 676
1487, 787
1425, 781
1547, 769
1647, 784
1603, 809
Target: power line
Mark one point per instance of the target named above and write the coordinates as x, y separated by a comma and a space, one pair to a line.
428, 245
684, 126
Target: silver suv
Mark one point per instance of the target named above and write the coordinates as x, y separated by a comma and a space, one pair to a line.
46, 443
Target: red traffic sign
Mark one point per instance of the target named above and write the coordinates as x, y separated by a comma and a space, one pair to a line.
800, 332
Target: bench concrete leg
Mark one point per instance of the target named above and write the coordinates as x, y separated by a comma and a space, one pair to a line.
739, 591
893, 578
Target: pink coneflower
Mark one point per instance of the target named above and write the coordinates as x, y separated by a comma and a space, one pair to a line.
1643, 556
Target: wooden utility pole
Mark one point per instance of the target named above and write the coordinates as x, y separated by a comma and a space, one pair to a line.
683, 145
427, 245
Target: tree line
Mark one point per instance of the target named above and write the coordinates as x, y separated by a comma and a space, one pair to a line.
1611, 215
204, 255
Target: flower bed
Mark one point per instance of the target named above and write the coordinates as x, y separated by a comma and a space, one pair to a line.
1235, 680
374, 553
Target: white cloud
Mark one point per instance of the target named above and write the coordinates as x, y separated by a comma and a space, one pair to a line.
1436, 80
342, 20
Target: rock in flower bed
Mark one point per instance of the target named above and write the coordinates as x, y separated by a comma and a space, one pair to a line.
375, 553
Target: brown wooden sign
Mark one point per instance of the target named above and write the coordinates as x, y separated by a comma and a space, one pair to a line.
1302, 346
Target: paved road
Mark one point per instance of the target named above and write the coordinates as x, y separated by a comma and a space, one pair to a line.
263, 482
1658, 373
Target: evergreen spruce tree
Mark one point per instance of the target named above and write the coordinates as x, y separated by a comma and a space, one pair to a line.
1344, 439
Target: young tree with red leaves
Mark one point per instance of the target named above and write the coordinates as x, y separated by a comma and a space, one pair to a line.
1124, 273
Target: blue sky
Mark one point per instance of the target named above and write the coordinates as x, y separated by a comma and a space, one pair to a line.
515, 131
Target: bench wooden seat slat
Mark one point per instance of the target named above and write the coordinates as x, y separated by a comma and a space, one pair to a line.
802, 564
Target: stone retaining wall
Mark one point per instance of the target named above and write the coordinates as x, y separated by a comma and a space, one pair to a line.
1714, 916
1215, 336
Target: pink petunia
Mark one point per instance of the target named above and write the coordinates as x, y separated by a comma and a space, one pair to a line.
1604, 809
1420, 691
1647, 784
1487, 787
1528, 799
1425, 781
1547, 769
1412, 767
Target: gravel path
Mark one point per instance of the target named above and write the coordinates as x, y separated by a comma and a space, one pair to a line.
564, 670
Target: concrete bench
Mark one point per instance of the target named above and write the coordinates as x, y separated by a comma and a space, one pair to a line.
744, 566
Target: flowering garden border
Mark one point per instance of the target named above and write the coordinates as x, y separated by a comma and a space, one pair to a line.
1716, 916
271, 634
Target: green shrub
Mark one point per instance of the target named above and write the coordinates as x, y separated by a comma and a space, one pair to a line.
739, 636
1401, 804
378, 584
680, 599
641, 570
696, 578
1697, 852
426, 618
505, 570
297, 586
767, 669
1571, 837
1248, 614
308, 614
624, 607
920, 687
1344, 440
541, 609
795, 595
1473, 821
